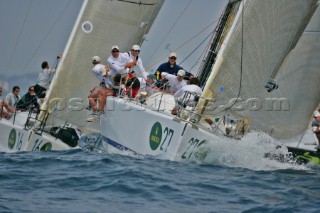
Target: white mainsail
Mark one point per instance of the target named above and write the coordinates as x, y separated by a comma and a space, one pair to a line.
255, 50
100, 25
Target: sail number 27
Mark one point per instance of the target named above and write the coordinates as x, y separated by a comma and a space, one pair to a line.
193, 143
168, 134
158, 138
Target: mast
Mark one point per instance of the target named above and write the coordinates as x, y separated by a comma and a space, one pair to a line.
221, 29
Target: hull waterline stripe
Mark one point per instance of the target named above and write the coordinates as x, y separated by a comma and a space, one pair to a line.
116, 145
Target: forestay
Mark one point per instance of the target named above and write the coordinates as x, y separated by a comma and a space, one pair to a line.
100, 25
255, 51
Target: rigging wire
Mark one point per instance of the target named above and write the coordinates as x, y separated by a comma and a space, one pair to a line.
197, 61
206, 51
49, 32
197, 47
174, 24
19, 36
183, 44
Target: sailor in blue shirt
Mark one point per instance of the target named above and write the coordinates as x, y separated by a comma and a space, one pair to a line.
170, 67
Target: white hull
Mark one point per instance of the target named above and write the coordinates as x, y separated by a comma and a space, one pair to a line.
17, 138
146, 131
128, 126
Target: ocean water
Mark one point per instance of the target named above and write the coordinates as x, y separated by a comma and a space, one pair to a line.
82, 181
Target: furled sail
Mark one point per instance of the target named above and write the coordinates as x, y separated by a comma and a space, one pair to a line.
257, 48
100, 25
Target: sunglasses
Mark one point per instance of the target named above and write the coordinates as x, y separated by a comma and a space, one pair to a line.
174, 58
137, 51
115, 51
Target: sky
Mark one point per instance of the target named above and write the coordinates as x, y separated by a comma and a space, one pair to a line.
32, 31
181, 26
36, 30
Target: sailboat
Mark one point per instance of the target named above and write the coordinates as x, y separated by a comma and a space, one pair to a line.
25, 131
100, 25
250, 62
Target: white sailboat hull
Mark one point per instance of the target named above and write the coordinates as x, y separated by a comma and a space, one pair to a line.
146, 131
15, 137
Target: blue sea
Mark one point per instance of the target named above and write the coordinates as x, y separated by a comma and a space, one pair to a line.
82, 181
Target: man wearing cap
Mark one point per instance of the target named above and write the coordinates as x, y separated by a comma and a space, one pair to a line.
118, 63
316, 126
99, 92
120, 66
170, 67
133, 55
175, 82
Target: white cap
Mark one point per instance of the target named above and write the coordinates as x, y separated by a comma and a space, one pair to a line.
135, 47
172, 55
96, 59
181, 73
115, 47
317, 115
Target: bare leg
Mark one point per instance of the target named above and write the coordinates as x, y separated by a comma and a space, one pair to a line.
102, 97
93, 98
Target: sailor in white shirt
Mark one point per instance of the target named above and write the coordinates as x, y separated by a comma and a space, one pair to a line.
43, 80
175, 82
133, 55
190, 100
192, 88
120, 66
44, 75
101, 72
118, 62
13, 97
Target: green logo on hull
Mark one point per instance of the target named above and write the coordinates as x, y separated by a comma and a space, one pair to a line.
12, 139
46, 147
155, 136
